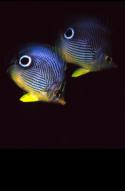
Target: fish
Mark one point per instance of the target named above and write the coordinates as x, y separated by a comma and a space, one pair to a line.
87, 44
39, 71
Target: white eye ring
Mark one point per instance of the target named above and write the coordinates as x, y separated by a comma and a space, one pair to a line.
72, 35
29, 62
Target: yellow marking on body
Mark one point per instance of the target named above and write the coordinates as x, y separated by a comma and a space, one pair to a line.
31, 96
80, 72
67, 57
17, 78
42, 96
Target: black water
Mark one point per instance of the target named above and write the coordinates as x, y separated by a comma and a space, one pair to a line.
94, 116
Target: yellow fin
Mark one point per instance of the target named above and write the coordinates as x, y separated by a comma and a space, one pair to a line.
62, 101
80, 72
28, 97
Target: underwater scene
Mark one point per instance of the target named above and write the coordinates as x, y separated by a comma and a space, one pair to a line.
62, 75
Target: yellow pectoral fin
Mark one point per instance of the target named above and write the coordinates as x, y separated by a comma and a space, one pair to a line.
62, 101
28, 97
80, 72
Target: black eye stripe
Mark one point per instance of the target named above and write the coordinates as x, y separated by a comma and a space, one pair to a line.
24, 60
69, 32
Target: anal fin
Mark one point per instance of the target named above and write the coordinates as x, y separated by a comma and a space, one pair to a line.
80, 72
28, 97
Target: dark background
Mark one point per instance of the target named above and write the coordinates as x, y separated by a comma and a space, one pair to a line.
94, 116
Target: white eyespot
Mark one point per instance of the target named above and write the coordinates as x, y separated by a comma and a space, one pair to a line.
69, 34
108, 59
25, 61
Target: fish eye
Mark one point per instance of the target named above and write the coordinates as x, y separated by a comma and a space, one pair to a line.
69, 34
108, 59
25, 61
